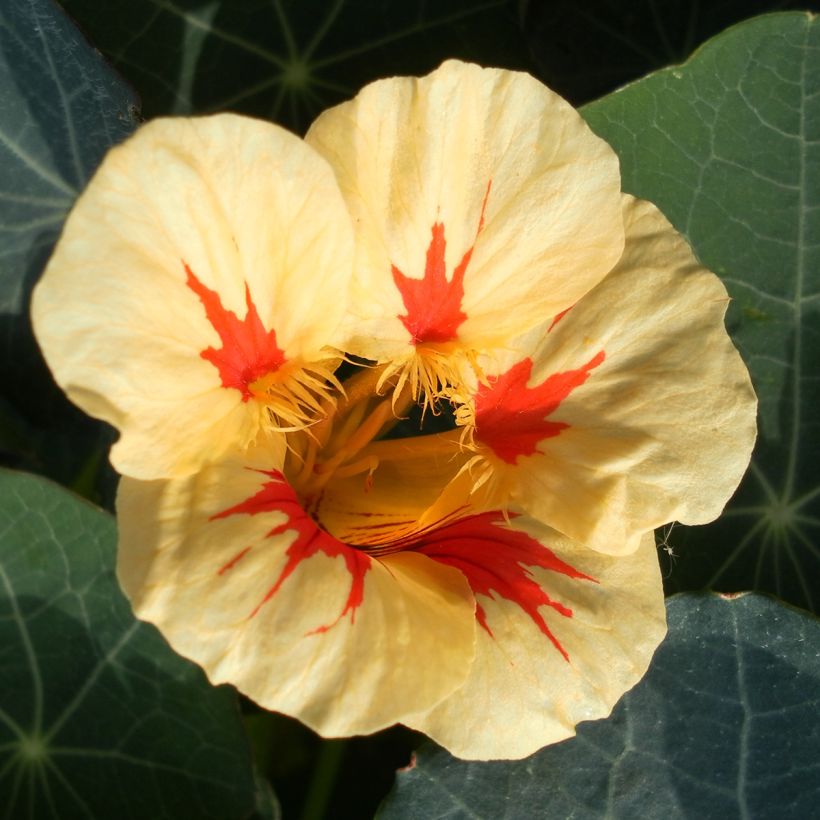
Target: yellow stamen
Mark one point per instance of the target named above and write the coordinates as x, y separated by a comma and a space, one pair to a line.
309, 463
356, 392
367, 464
447, 443
357, 431
346, 428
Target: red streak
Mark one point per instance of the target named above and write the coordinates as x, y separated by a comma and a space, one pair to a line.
248, 351
433, 304
558, 316
496, 558
234, 561
277, 495
511, 418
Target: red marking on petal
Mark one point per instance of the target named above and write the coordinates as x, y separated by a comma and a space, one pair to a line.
248, 351
277, 495
558, 316
433, 303
496, 558
511, 418
234, 561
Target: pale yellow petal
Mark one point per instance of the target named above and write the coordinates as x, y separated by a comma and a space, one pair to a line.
483, 169
240, 579
523, 693
221, 208
660, 422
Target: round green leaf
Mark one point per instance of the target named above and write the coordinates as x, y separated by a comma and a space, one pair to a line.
98, 717
728, 146
723, 725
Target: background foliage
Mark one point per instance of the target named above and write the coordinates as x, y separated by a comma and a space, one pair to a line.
728, 146
726, 143
695, 738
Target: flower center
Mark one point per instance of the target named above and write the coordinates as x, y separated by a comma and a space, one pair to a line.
357, 482
332, 449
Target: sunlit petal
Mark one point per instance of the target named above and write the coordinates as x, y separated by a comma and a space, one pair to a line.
242, 580
634, 409
564, 633
175, 305
471, 191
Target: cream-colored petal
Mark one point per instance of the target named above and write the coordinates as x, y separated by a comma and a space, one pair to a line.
523, 693
662, 424
219, 208
475, 161
240, 579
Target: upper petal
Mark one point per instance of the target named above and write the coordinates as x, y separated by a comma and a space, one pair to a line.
241, 579
655, 413
204, 255
482, 203
566, 631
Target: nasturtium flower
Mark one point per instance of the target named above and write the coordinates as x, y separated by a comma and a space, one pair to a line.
264, 318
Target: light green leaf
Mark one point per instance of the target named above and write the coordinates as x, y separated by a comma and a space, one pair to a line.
287, 60
724, 725
98, 717
61, 107
728, 146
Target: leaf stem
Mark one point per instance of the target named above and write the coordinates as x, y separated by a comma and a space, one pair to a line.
324, 778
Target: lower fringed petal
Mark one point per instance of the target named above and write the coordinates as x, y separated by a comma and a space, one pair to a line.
239, 578
564, 632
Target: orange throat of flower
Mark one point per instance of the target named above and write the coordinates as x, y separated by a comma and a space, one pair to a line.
336, 447
348, 477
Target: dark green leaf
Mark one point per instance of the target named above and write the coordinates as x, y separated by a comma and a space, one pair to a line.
287, 60
584, 50
98, 717
728, 146
724, 725
61, 107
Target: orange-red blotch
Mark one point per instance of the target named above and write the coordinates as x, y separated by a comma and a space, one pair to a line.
497, 559
277, 495
248, 351
511, 418
433, 303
